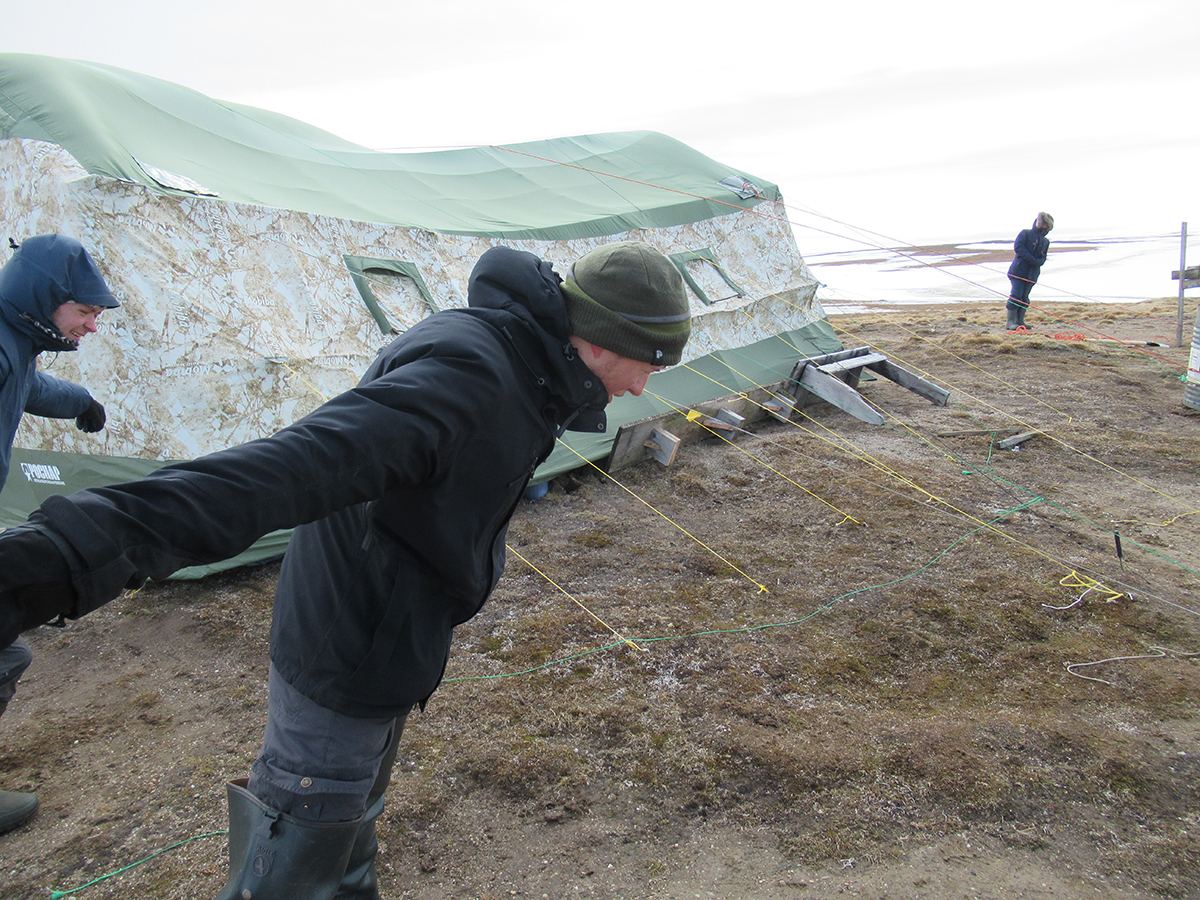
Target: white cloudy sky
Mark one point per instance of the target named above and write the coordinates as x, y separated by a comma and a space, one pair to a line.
921, 121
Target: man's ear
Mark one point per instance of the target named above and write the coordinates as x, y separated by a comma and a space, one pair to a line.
581, 345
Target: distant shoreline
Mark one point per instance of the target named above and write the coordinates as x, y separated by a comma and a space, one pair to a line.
942, 255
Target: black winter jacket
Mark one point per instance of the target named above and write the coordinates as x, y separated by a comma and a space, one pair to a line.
400, 492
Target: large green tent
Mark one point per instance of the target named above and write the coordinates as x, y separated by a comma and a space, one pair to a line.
169, 138
262, 262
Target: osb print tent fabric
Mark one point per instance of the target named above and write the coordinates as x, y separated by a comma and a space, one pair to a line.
261, 263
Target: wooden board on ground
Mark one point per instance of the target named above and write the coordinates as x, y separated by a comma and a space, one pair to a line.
1017, 439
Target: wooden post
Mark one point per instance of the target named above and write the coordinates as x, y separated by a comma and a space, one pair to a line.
1182, 276
781, 405
662, 445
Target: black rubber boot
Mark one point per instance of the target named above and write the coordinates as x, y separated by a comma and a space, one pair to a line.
273, 856
1014, 319
361, 882
16, 808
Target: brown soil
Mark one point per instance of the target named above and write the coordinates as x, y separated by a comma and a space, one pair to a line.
854, 666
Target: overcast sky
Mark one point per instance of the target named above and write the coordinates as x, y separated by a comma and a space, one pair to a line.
922, 122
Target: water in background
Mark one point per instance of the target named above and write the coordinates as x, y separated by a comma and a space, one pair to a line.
1116, 270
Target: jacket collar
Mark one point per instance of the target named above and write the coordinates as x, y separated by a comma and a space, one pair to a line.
524, 286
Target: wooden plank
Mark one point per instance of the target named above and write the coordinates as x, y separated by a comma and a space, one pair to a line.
1009, 443
1191, 272
853, 362
729, 419
834, 390
629, 446
781, 406
662, 446
838, 355
975, 432
911, 380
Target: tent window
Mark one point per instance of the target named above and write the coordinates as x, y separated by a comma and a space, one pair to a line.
705, 276
392, 290
740, 186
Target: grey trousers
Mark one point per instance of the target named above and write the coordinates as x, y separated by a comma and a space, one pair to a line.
316, 764
14, 660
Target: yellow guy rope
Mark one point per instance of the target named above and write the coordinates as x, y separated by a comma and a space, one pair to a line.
855, 451
965, 362
1075, 580
933, 497
695, 416
1190, 509
575, 600
762, 588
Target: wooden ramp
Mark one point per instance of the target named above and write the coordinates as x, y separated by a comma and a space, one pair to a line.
832, 377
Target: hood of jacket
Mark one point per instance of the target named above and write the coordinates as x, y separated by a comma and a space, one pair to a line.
520, 284
45, 272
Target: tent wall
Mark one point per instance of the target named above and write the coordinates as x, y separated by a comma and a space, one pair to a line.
236, 319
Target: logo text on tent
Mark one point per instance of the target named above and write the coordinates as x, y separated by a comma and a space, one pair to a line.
41, 474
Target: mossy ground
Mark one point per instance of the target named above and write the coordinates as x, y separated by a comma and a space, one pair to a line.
898, 661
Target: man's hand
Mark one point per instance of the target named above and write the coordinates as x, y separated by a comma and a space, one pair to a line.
91, 419
35, 582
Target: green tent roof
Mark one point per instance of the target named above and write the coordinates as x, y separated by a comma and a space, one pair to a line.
173, 139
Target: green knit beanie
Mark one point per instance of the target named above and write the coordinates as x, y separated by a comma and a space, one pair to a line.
628, 298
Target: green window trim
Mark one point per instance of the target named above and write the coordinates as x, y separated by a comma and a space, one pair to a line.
682, 259
360, 266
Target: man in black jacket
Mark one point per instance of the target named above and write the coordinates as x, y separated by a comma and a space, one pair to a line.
400, 492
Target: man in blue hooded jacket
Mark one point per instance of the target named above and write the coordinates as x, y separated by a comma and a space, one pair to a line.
1030, 250
50, 296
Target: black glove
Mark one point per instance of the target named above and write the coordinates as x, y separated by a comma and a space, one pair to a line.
91, 419
35, 582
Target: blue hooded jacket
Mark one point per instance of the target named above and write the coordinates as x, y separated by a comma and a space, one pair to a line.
45, 272
1031, 249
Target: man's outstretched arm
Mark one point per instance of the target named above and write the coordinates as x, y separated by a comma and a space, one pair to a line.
80, 551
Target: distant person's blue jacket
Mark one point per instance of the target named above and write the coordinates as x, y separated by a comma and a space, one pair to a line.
44, 273
1031, 248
